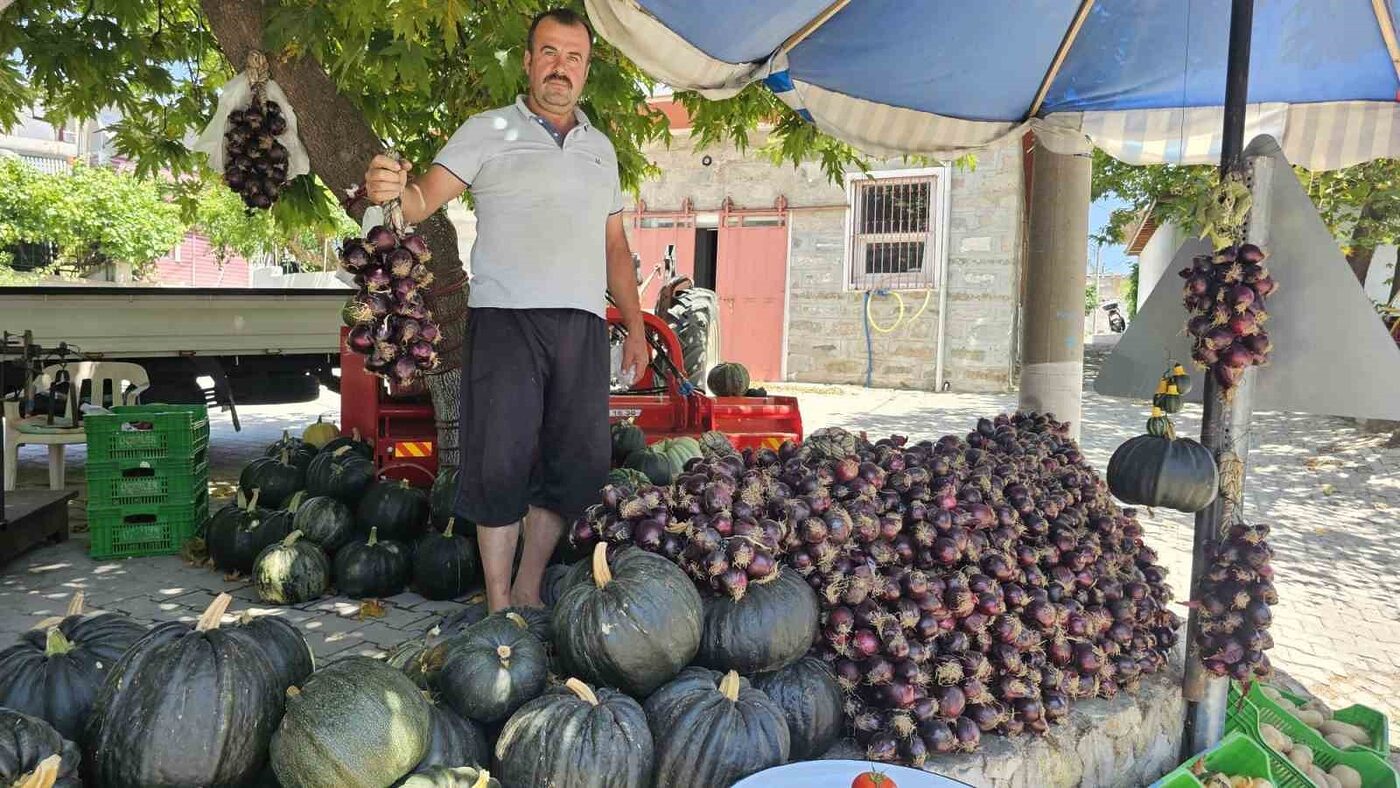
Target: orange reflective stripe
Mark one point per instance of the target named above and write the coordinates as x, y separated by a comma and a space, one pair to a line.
413, 449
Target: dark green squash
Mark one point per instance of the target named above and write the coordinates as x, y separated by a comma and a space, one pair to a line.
27, 741
325, 521
679, 452
340, 474
576, 736
1180, 377
826, 444
442, 498
628, 477
539, 622
491, 669
397, 509
275, 477
444, 564
356, 723
280, 641
626, 438
450, 777
454, 740
372, 568
291, 571
728, 379
1160, 470
410, 656
55, 672
554, 583
713, 729
632, 624
715, 444
186, 706
298, 452
654, 464
235, 539
357, 444
812, 702
771, 626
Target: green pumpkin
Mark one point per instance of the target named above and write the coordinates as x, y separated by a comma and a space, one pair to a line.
728, 379
356, 723
277, 477
812, 702
626, 438
325, 521
576, 736
442, 499
454, 740
771, 626
715, 444
444, 564
372, 568
828, 443
341, 474
291, 571
654, 464
1181, 379
398, 510
678, 451
235, 535
357, 444
628, 477
298, 451
27, 741
632, 623
491, 669
1160, 470
713, 729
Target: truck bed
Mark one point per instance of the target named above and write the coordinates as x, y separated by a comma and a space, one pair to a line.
144, 322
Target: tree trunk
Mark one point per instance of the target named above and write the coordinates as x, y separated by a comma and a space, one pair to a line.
1362, 247
340, 144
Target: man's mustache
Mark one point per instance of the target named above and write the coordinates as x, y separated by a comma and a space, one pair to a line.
559, 78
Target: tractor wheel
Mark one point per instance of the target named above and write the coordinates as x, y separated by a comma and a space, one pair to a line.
691, 322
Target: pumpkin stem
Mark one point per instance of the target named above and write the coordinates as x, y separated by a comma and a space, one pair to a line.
293, 692
340, 451
1171, 430
75, 605
504, 653
448, 530
483, 779
518, 620
291, 538
44, 775
373, 535
284, 455
295, 503
253, 502
57, 643
212, 614
602, 575
582, 691
729, 686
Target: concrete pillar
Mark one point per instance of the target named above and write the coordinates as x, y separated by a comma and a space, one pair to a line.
1052, 372
1156, 257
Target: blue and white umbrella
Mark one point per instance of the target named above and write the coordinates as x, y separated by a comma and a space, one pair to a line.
1142, 79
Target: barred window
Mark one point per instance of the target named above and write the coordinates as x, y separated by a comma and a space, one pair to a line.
892, 243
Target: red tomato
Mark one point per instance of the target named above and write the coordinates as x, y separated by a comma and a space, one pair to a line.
872, 779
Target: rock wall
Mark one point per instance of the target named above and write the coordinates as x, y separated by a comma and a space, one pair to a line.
1127, 742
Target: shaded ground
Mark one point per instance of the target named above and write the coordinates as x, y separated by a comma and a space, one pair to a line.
1331, 493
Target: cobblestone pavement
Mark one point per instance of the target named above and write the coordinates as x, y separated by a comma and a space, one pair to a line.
1331, 492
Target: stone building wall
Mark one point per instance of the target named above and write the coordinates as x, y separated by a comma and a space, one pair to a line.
827, 331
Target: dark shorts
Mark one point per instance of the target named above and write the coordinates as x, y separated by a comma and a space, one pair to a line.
534, 413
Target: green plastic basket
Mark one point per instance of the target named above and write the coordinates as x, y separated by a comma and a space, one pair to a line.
1373, 721
122, 482
1245, 715
144, 529
175, 432
1236, 755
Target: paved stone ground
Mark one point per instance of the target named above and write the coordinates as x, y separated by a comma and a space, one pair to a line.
1331, 492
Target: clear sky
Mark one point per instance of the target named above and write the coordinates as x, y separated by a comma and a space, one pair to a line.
1115, 257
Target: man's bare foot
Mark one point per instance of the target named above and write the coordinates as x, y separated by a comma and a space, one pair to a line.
521, 599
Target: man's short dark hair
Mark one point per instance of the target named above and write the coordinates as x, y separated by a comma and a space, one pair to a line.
563, 16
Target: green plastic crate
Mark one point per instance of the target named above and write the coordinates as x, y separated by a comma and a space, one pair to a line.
144, 529
1374, 722
1236, 755
122, 482
177, 432
1245, 715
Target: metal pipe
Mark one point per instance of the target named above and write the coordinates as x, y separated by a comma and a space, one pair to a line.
1224, 427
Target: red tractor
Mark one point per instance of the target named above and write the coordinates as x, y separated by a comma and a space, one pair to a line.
664, 402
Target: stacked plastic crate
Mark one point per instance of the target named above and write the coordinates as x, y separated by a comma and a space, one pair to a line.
147, 478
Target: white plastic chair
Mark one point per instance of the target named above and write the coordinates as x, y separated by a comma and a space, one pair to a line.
100, 383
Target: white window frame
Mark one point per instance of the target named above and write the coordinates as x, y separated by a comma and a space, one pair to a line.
935, 257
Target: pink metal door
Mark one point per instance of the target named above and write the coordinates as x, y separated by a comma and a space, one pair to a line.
649, 232
751, 282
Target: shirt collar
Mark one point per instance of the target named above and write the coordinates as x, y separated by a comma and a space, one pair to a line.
525, 110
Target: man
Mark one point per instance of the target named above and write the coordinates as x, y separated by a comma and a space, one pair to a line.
535, 377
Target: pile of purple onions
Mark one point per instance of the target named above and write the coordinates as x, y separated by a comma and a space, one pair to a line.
968, 585
255, 163
389, 322
1235, 605
722, 521
1225, 295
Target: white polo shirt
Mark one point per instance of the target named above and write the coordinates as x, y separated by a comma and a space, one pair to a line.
541, 208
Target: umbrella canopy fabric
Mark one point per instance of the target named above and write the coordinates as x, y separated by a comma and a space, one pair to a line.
1142, 79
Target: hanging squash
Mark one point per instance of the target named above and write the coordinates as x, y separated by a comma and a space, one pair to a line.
1180, 378
1163, 471
728, 379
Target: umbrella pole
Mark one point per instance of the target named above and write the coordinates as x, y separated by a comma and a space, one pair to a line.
1224, 426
